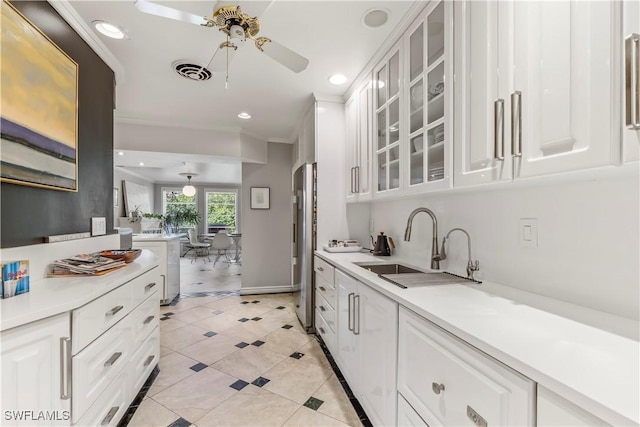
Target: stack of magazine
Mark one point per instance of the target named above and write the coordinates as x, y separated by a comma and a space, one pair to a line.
88, 264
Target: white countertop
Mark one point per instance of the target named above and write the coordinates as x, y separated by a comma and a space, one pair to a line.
52, 296
596, 369
155, 237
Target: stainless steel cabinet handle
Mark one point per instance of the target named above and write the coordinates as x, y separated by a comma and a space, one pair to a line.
320, 269
112, 412
65, 368
148, 319
114, 310
357, 179
437, 388
322, 288
115, 356
350, 325
356, 316
498, 129
322, 308
516, 124
322, 331
632, 80
149, 286
353, 180
149, 360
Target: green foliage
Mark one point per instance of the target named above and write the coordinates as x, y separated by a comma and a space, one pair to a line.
221, 209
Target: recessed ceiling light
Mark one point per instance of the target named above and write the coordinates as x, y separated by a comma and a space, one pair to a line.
338, 79
244, 115
109, 29
374, 18
141, 164
120, 153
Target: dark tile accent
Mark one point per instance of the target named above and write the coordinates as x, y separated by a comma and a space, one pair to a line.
244, 319
313, 403
287, 327
242, 344
210, 334
280, 308
138, 399
244, 302
296, 355
218, 312
165, 318
168, 313
239, 385
180, 422
257, 343
198, 367
257, 318
260, 381
255, 302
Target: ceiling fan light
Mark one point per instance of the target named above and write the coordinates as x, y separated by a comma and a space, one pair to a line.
189, 190
236, 32
109, 30
338, 79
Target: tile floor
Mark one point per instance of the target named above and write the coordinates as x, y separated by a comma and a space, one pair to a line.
231, 360
201, 276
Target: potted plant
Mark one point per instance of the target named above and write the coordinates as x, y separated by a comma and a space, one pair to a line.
181, 217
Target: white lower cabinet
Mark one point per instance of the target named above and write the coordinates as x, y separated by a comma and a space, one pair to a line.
35, 375
113, 403
407, 416
554, 410
450, 383
367, 331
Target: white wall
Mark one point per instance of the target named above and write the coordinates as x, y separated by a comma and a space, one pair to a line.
588, 238
266, 234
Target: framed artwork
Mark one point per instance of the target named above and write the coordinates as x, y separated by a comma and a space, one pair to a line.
259, 197
39, 108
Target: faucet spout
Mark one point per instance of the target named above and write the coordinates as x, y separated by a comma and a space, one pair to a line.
435, 255
471, 266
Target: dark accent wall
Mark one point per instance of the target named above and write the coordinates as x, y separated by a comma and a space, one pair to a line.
30, 213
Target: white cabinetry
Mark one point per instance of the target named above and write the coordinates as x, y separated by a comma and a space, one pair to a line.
325, 302
631, 79
367, 344
449, 383
167, 248
407, 416
554, 410
35, 373
358, 115
533, 88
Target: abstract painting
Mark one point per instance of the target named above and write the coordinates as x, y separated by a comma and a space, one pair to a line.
39, 107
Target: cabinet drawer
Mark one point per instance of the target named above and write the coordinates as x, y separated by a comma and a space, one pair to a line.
327, 312
449, 382
325, 289
111, 404
145, 285
90, 321
145, 318
95, 367
145, 358
324, 269
407, 417
328, 336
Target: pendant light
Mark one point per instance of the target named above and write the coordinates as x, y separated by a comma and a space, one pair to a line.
189, 190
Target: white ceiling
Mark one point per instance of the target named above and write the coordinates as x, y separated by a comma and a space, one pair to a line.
329, 33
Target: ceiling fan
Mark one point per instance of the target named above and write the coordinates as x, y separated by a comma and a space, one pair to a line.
238, 26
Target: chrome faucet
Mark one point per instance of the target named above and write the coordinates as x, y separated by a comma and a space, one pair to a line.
471, 266
435, 256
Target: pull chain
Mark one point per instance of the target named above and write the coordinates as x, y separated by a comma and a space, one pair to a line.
226, 82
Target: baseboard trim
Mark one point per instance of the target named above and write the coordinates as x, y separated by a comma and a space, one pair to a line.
266, 290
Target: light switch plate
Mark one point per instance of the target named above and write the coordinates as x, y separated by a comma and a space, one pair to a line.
528, 232
98, 226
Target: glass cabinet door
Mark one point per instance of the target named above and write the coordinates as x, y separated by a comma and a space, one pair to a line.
387, 124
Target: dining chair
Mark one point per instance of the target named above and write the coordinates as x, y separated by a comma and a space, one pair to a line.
221, 243
199, 249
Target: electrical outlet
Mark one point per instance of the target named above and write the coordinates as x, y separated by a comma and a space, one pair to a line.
528, 232
98, 226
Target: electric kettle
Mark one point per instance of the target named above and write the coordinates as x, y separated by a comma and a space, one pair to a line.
383, 246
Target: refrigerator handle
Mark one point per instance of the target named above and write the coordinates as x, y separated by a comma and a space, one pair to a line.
349, 311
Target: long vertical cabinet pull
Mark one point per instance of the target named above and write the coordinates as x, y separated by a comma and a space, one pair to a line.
516, 124
498, 129
349, 312
632, 80
353, 181
357, 168
356, 316
65, 368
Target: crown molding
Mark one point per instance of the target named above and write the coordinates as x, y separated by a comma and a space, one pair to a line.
69, 14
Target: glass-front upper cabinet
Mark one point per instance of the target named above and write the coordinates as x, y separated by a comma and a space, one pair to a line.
387, 89
428, 103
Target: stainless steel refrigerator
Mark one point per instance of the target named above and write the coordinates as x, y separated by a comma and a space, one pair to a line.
304, 241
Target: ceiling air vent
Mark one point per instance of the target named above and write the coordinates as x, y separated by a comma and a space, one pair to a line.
191, 71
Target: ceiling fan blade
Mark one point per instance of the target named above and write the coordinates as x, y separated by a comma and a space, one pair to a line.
221, 58
171, 13
282, 54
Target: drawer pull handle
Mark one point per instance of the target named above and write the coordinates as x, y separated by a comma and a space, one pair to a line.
320, 269
65, 368
323, 289
322, 331
148, 319
437, 388
112, 413
475, 417
149, 286
112, 359
149, 360
114, 310
322, 308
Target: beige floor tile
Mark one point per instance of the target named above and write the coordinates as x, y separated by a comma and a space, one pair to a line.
249, 363
308, 417
336, 403
173, 368
285, 341
198, 394
212, 349
170, 324
296, 380
224, 303
219, 323
164, 351
314, 354
193, 315
182, 337
151, 414
155, 389
250, 407
250, 310
248, 331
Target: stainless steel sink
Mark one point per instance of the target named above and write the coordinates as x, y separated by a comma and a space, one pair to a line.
388, 268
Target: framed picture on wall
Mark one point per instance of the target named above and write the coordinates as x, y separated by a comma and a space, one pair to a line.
115, 197
39, 114
260, 198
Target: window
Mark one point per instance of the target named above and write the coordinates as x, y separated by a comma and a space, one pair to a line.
179, 207
222, 210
